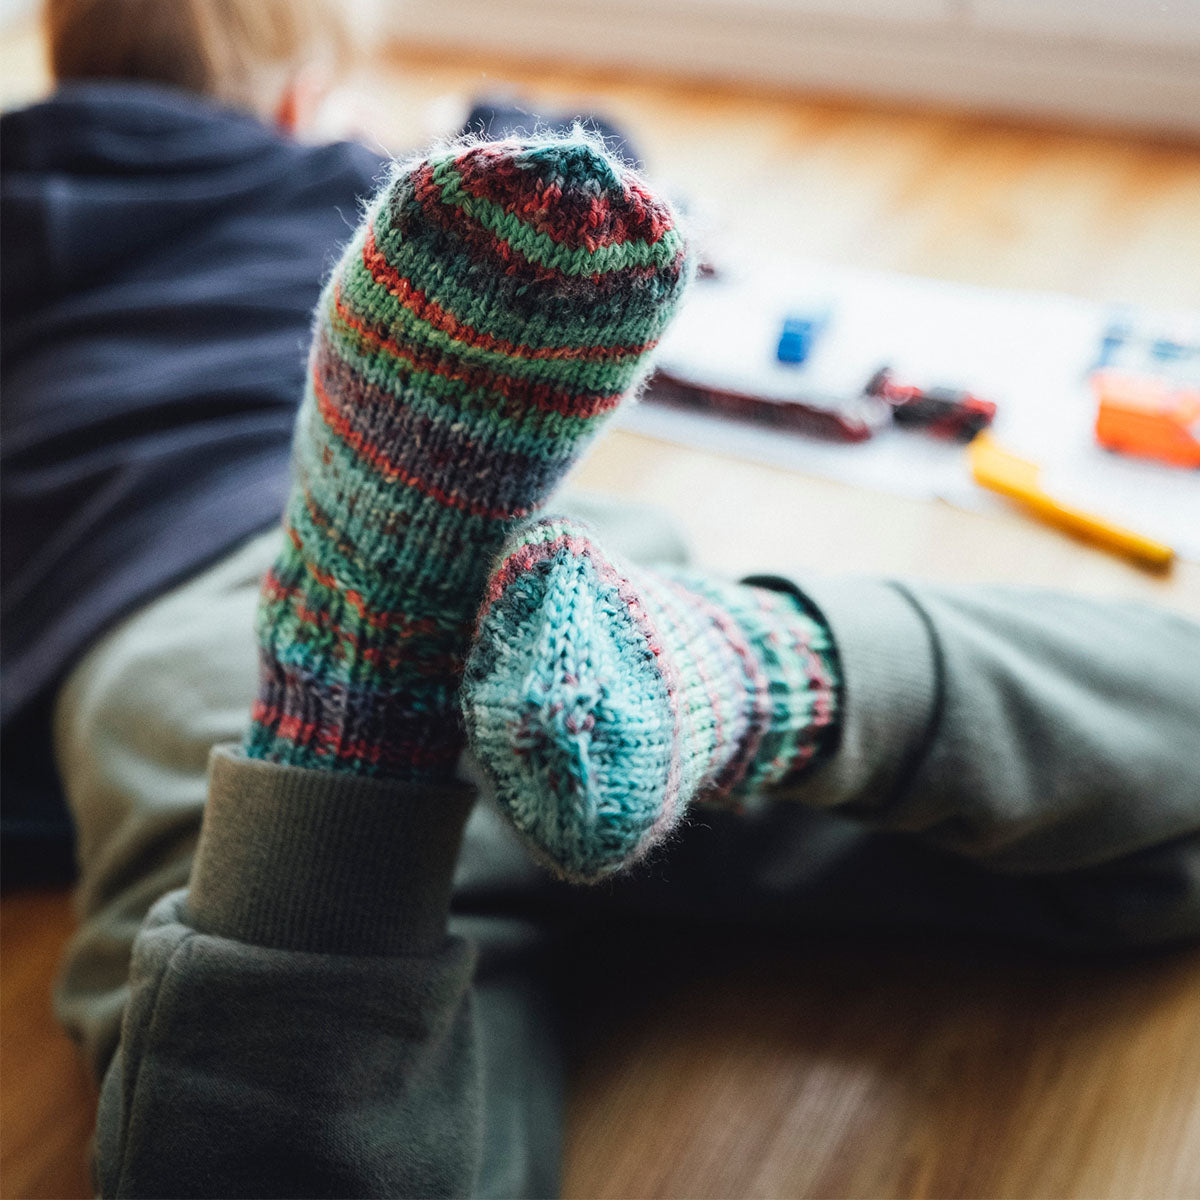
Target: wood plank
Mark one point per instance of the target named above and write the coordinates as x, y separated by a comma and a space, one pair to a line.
46, 1098
882, 1070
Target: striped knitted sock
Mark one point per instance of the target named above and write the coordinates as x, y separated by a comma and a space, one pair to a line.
495, 305
601, 700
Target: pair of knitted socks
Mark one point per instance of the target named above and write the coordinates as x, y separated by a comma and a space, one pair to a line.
493, 309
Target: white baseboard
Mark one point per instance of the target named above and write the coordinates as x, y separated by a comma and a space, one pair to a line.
943, 59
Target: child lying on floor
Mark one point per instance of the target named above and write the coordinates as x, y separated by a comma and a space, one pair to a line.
286, 1007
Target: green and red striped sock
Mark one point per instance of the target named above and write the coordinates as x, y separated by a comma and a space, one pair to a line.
601, 699
496, 305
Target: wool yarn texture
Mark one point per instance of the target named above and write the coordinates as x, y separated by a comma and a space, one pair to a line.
494, 307
602, 699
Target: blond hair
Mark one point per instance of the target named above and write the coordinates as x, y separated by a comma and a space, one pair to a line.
232, 50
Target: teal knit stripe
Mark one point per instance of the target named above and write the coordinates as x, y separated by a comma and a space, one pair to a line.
450, 402
790, 645
312, 627
262, 741
370, 301
344, 643
404, 264
618, 319
442, 565
295, 579
341, 657
704, 662
513, 395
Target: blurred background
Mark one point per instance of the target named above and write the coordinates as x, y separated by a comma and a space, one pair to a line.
1032, 143
977, 193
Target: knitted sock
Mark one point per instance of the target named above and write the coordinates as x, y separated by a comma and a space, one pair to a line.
493, 308
601, 699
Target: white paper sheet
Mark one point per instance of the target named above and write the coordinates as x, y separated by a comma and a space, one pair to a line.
1028, 352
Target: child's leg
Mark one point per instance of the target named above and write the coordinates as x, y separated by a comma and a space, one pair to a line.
135, 724
495, 307
1001, 758
498, 303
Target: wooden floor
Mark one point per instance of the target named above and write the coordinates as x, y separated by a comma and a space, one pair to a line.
47, 1102
913, 1070
860, 1070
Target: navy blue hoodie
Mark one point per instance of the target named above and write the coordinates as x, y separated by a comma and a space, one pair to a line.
161, 260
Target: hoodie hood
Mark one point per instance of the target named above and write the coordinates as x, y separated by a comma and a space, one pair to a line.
101, 173
161, 259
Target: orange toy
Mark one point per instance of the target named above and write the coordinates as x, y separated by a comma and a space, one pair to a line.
1149, 417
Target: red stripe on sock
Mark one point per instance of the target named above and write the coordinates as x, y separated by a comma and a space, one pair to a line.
756, 679
325, 740
379, 619
520, 392
457, 223
574, 219
387, 657
417, 302
380, 462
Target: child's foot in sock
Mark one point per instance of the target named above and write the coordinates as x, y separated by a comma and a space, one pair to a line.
498, 301
600, 699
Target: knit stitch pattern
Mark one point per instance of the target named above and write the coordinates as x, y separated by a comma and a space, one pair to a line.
601, 699
495, 306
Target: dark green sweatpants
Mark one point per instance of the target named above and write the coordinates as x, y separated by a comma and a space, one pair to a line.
298, 1021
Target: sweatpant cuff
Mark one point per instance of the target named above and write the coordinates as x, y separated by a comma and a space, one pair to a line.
324, 861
